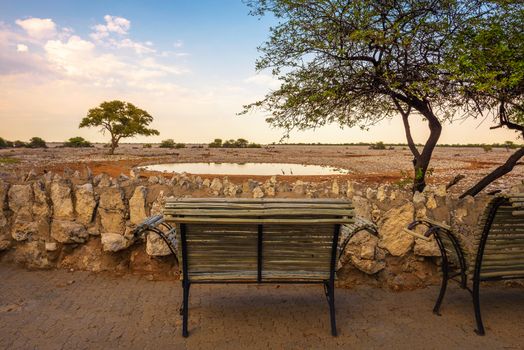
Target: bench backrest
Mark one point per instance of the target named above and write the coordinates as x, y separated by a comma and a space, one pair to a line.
500, 238
258, 240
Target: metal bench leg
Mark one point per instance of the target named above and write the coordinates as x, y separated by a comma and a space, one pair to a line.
476, 305
443, 287
330, 295
185, 308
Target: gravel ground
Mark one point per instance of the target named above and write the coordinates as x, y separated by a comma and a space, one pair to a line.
81, 310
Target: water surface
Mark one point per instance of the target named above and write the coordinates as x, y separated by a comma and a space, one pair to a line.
247, 169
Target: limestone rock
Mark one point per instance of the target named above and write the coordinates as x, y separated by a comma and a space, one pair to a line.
381, 193
441, 191
419, 198
112, 210
299, 187
155, 246
114, 242
41, 207
270, 191
51, 246
350, 189
23, 230
85, 203
137, 205
335, 188
158, 204
32, 255
258, 193
68, 232
216, 186
369, 267
62, 201
392, 237
426, 248
3, 195
20, 199
5, 244
431, 203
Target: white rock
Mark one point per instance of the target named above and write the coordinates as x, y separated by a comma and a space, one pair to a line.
62, 201
392, 236
137, 205
114, 242
258, 193
68, 231
155, 245
85, 203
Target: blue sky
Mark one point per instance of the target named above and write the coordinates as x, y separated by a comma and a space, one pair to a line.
188, 63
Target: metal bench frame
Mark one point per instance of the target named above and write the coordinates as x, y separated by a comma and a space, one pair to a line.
441, 233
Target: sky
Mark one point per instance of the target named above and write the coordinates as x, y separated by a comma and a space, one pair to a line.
190, 64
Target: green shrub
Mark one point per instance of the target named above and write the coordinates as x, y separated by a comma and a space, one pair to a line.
19, 144
169, 143
217, 143
254, 145
77, 142
487, 148
146, 145
3, 143
378, 145
180, 145
36, 142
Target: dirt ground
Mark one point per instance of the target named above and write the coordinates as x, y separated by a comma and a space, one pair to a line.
365, 165
80, 310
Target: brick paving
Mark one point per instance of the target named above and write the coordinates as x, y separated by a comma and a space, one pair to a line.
82, 310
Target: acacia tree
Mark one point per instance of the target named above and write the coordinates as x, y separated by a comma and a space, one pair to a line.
356, 62
488, 61
121, 119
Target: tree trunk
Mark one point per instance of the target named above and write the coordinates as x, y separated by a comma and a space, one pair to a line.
495, 174
420, 160
114, 144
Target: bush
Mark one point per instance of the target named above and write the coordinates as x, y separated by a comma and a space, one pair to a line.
378, 145
487, 148
3, 143
77, 142
146, 145
217, 143
169, 143
180, 145
19, 144
36, 142
254, 145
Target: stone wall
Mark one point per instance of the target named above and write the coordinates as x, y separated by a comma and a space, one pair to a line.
78, 221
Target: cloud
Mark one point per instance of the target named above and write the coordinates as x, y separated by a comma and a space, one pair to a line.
139, 48
39, 28
178, 44
114, 24
21, 48
263, 80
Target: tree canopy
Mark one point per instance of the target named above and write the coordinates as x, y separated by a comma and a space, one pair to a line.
357, 62
121, 119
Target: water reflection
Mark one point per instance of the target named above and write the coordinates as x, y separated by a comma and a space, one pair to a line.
247, 169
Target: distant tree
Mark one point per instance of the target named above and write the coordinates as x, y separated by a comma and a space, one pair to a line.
254, 145
169, 143
241, 143
36, 142
121, 119
147, 145
19, 144
180, 145
379, 145
77, 142
229, 144
217, 143
358, 62
3, 143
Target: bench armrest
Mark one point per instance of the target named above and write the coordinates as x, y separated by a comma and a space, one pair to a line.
416, 234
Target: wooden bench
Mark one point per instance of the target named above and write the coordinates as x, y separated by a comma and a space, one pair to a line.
499, 243
256, 241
